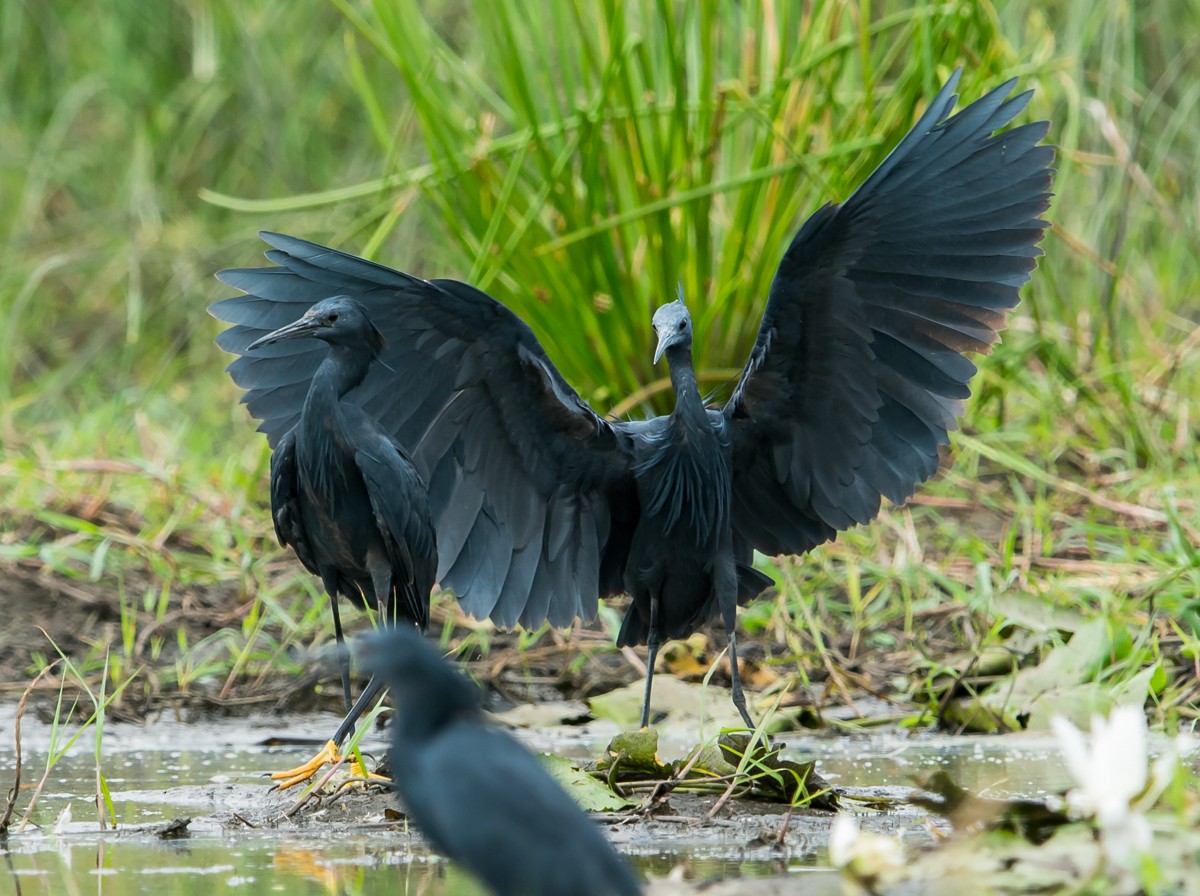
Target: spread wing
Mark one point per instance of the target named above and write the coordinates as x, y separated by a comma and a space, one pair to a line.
859, 369
526, 482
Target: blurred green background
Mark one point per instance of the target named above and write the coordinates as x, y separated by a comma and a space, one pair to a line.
577, 164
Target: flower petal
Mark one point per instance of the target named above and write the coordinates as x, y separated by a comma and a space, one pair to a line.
843, 834
1073, 746
1119, 754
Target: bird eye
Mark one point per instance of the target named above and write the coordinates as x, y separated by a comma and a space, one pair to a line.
332, 316
682, 325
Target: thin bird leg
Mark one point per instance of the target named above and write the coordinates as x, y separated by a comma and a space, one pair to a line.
382, 581
343, 654
374, 686
332, 751
738, 695
651, 655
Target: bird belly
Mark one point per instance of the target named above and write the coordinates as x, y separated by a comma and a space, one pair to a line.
682, 538
344, 534
679, 572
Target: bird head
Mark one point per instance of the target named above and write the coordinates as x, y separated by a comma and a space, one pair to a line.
339, 320
426, 690
673, 325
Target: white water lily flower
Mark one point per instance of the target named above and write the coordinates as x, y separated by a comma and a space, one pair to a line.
862, 855
842, 836
1110, 768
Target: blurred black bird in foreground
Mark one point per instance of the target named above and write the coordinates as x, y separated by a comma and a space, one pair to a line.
344, 495
478, 795
542, 505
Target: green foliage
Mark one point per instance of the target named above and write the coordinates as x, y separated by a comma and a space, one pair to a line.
580, 164
59, 743
586, 162
118, 470
112, 122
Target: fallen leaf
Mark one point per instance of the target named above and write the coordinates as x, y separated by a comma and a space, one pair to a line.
591, 795
552, 714
681, 707
1061, 684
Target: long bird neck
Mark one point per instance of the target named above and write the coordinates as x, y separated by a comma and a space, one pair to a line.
689, 485
342, 370
688, 404
345, 367
419, 718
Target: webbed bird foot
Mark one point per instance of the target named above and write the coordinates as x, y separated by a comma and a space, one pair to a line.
291, 777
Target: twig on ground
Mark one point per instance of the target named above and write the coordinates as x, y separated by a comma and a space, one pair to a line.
11, 802
312, 791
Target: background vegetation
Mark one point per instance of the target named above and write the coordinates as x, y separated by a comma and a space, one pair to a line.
579, 165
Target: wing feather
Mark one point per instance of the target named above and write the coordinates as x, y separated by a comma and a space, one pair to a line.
509, 450
285, 508
859, 369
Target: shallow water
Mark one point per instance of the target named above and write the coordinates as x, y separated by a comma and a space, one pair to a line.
211, 771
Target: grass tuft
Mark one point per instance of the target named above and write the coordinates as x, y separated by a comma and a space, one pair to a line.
580, 165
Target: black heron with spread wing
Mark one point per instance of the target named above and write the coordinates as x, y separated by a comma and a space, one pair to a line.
542, 506
344, 494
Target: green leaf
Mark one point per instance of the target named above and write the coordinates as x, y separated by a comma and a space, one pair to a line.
1064, 683
683, 708
111, 813
591, 794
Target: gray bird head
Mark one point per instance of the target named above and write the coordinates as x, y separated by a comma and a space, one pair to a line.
339, 320
673, 325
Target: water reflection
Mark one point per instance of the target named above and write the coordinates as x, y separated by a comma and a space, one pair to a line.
1009, 766
111, 865
251, 864
153, 779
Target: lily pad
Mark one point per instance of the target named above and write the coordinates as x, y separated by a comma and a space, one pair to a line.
591, 794
1062, 684
681, 706
766, 775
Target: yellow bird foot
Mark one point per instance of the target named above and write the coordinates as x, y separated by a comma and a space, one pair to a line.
329, 754
359, 770
360, 777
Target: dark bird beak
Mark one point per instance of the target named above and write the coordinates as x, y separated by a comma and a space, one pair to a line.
298, 329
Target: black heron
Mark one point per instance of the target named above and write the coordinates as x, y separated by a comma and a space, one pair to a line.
478, 795
344, 494
858, 372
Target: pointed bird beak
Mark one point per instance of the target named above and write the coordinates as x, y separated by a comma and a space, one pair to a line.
298, 329
664, 340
